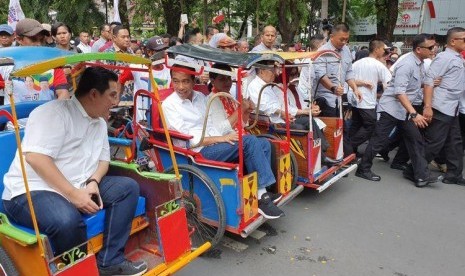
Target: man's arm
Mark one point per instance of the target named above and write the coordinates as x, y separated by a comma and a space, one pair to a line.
44, 166
419, 120
354, 87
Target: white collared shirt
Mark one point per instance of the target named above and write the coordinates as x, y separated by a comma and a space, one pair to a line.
85, 48
62, 130
271, 101
187, 117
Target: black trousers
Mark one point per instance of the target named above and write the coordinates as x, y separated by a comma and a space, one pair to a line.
402, 155
363, 125
444, 133
412, 138
462, 128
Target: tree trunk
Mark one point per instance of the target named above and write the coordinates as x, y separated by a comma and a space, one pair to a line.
205, 15
387, 12
243, 26
288, 28
172, 14
324, 9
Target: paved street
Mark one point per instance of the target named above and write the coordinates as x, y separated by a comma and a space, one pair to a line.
357, 227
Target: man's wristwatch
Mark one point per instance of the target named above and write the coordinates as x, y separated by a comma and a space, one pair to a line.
333, 89
413, 115
90, 180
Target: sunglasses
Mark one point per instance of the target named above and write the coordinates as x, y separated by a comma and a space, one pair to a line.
431, 48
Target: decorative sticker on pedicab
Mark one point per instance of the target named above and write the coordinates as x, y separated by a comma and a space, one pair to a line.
34, 88
227, 182
69, 258
295, 145
249, 194
285, 176
167, 208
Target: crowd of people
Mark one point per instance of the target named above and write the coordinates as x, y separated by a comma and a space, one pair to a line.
414, 102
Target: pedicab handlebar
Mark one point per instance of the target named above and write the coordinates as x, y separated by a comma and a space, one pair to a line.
205, 121
257, 107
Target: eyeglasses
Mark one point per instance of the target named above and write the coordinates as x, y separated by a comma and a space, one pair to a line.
431, 48
460, 38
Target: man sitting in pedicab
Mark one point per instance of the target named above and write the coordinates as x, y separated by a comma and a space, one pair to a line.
67, 161
185, 112
272, 103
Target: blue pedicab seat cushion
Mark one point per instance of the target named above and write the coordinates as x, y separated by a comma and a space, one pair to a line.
95, 223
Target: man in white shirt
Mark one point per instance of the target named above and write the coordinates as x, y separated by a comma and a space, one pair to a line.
84, 42
66, 166
371, 71
272, 99
185, 112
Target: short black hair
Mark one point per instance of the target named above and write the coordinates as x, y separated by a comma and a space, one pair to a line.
419, 39
452, 31
95, 78
221, 66
115, 23
340, 27
182, 69
210, 30
118, 28
58, 25
102, 28
173, 41
190, 34
313, 41
375, 44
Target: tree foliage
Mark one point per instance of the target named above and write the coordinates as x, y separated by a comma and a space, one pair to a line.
78, 14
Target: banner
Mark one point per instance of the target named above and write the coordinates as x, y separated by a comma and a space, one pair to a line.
116, 17
15, 13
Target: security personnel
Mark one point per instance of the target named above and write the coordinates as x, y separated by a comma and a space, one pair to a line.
330, 76
396, 109
441, 106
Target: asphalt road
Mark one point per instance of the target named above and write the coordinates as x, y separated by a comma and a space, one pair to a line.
356, 227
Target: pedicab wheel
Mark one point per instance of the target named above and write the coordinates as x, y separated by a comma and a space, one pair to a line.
294, 164
7, 266
205, 211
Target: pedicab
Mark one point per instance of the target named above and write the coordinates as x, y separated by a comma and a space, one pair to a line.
159, 232
219, 196
307, 149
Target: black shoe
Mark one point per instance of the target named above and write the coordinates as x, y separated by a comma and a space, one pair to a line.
267, 209
125, 268
423, 182
409, 175
398, 166
275, 198
456, 181
368, 175
383, 155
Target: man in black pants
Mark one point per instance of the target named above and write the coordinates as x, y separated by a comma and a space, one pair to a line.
441, 106
396, 110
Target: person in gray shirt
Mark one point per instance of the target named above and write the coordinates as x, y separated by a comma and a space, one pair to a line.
396, 110
442, 103
331, 75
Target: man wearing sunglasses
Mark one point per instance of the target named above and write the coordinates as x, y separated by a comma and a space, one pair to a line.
396, 110
442, 104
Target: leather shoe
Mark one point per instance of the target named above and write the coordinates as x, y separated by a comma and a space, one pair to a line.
368, 175
459, 181
423, 182
398, 166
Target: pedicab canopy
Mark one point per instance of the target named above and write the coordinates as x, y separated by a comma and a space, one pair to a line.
234, 59
36, 60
